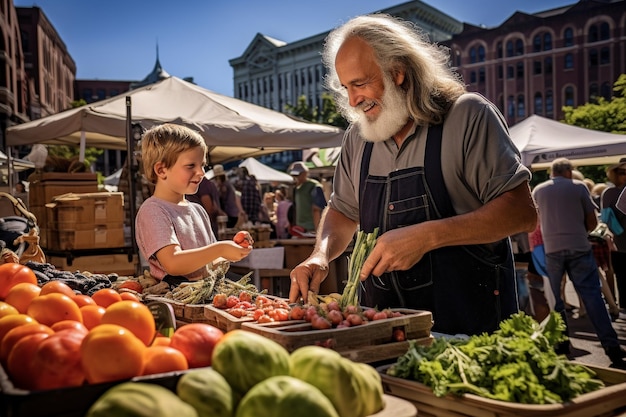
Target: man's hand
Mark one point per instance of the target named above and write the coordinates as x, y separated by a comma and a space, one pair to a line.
395, 250
307, 276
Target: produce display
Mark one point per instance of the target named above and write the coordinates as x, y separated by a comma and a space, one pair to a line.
255, 376
516, 363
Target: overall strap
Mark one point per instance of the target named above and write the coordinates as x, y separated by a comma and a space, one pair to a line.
365, 168
434, 174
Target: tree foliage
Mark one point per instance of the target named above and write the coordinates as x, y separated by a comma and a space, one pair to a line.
328, 115
603, 115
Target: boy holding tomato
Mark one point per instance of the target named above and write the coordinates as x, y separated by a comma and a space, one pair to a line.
173, 234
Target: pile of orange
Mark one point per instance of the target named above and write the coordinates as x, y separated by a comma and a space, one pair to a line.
51, 337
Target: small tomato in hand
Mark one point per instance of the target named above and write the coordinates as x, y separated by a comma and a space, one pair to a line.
241, 239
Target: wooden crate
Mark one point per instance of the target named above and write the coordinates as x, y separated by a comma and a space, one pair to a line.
224, 320
370, 342
608, 401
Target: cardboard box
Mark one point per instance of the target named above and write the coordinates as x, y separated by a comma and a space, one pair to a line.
44, 186
99, 236
117, 263
81, 211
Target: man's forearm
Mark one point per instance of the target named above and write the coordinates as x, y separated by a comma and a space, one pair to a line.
334, 234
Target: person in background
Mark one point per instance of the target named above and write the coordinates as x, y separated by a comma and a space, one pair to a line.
21, 193
617, 176
250, 195
443, 222
208, 197
227, 195
282, 208
567, 214
308, 198
173, 234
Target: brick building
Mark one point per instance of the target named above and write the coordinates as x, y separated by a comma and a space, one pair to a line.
536, 64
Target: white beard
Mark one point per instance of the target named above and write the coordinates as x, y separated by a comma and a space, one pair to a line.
393, 116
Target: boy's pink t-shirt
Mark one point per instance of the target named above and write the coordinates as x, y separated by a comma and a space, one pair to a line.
160, 223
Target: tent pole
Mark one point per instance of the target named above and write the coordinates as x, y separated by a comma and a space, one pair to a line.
130, 147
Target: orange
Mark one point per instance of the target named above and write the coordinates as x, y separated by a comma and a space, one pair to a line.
21, 295
134, 316
83, 300
71, 325
111, 352
7, 309
129, 296
54, 285
12, 274
161, 340
13, 320
15, 334
106, 296
161, 359
20, 363
92, 315
50, 308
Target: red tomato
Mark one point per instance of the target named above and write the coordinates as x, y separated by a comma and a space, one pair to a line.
241, 239
220, 300
245, 296
12, 274
58, 361
196, 341
232, 301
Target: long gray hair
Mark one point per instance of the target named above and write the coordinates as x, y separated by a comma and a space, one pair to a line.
399, 45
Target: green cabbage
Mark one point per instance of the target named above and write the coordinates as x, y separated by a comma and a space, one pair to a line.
285, 396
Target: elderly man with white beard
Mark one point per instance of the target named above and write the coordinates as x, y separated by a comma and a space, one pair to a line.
433, 168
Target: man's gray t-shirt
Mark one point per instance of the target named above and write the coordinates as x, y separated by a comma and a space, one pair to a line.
479, 161
563, 204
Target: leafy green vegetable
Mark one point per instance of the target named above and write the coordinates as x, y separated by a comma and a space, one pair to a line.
516, 363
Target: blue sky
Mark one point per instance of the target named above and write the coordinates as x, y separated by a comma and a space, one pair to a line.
116, 40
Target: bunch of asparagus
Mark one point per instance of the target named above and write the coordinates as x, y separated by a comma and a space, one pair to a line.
363, 246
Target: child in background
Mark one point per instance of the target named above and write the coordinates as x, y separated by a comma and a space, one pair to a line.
173, 234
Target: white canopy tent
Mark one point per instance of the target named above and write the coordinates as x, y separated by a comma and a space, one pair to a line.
542, 140
263, 173
233, 129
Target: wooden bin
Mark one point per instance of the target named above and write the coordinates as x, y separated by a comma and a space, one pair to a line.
603, 402
370, 342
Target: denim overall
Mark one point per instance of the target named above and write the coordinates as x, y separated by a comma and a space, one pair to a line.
469, 289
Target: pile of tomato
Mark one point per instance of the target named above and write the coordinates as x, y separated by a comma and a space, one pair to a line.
52, 337
262, 309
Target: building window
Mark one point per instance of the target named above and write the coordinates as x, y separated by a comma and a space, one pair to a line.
593, 92
511, 107
458, 58
569, 96
499, 50
509, 48
481, 75
547, 41
568, 37
472, 55
538, 104
520, 70
549, 104
593, 58
569, 61
547, 65
537, 43
521, 112
481, 53
606, 91
87, 93
593, 34
537, 67
519, 47
510, 72
500, 72
605, 56
605, 32
473, 77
